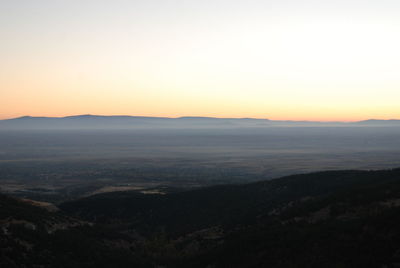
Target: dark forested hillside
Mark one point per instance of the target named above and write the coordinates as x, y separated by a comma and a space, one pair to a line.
231, 205
325, 219
32, 236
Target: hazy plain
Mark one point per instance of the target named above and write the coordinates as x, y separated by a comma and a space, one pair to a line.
78, 162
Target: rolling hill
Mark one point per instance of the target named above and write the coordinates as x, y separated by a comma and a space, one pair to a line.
324, 219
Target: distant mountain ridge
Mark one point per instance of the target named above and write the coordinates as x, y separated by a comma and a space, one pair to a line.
86, 116
88, 121
379, 121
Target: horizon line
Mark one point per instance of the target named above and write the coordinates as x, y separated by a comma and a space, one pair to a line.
214, 117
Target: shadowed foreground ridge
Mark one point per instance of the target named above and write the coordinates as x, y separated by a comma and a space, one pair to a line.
325, 219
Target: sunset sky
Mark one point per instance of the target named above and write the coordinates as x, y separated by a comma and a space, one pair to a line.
281, 59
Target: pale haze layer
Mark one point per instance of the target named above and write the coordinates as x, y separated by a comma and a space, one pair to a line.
313, 60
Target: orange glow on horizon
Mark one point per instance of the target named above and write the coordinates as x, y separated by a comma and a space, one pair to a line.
274, 118
321, 63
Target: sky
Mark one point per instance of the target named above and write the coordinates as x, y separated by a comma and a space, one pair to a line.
282, 59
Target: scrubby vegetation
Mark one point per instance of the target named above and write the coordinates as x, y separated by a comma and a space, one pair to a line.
325, 219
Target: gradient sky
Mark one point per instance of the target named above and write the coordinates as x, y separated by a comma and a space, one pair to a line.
282, 59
